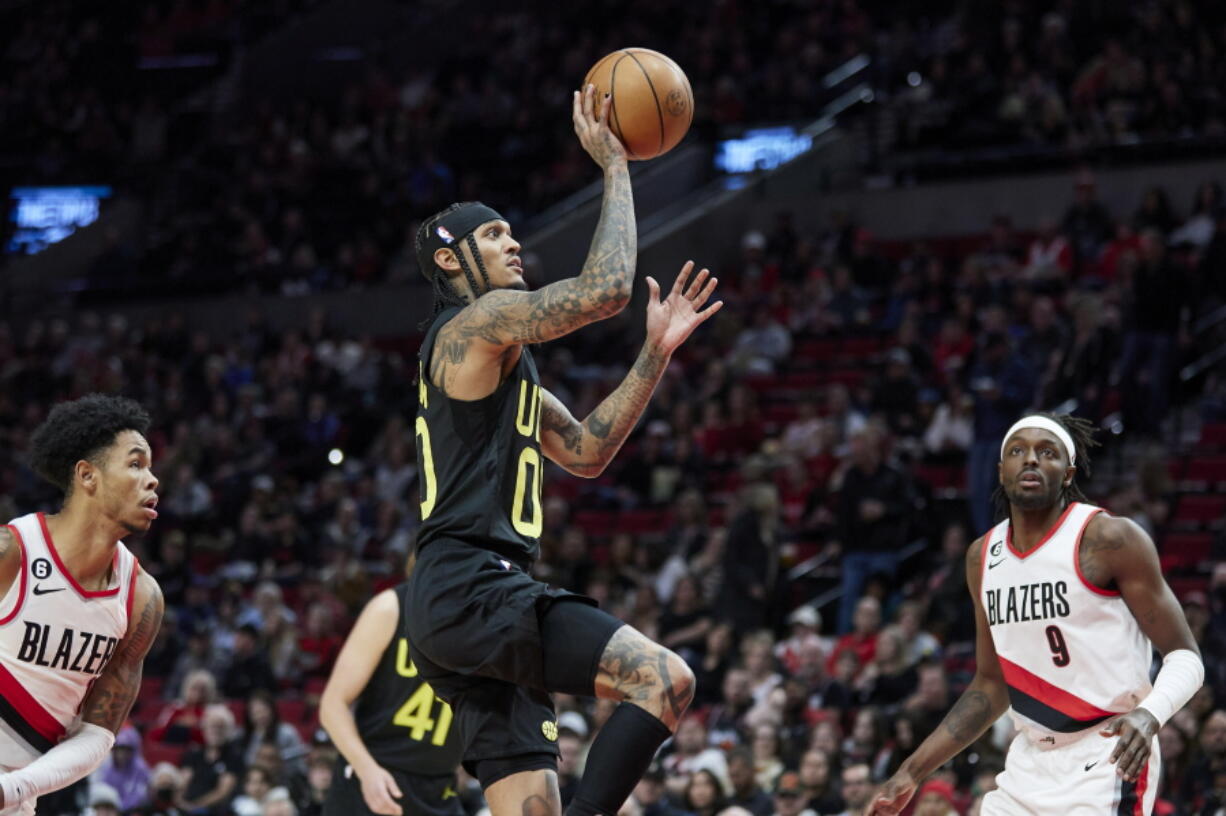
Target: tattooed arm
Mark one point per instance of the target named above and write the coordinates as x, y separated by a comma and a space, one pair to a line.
1115, 553
586, 448
115, 690
468, 348
984, 700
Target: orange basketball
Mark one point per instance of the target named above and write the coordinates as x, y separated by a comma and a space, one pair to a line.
652, 104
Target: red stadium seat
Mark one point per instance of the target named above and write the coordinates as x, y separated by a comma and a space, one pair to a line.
156, 752
1198, 509
1204, 473
1213, 435
292, 711
1185, 550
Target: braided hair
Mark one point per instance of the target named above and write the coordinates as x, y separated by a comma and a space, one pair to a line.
445, 293
1081, 431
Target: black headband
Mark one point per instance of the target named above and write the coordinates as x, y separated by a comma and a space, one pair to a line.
450, 229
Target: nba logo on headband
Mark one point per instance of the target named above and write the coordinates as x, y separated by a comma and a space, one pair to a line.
445, 235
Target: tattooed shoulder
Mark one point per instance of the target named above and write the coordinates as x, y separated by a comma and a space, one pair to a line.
1104, 538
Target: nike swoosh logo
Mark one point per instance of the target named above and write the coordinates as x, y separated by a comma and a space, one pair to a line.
1090, 765
38, 590
995, 564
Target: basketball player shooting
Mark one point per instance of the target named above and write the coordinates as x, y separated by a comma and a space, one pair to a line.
489, 639
77, 612
1067, 601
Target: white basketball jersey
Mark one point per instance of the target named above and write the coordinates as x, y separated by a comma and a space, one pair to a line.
55, 639
1072, 654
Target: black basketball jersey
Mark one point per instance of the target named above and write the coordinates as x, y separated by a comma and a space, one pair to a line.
405, 727
480, 461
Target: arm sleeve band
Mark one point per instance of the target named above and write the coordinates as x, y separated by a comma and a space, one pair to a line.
72, 759
1181, 676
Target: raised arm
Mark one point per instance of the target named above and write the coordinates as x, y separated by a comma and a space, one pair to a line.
1115, 553
506, 317
103, 711
355, 664
586, 448
984, 700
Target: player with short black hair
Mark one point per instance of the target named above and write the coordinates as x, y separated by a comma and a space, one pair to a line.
490, 639
77, 612
1068, 600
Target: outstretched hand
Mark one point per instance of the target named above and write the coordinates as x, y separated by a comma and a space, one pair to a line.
670, 321
591, 118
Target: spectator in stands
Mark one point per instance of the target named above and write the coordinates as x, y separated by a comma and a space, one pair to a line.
752, 571
262, 724
861, 641
952, 430
917, 644
757, 653
816, 778
165, 790
931, 701
104, 800
1086, 222
761, 345
806, 623
650, 795
256, 785
319, 644
767, 763
279, 803
1173, 749
320, 767
1209, 765
249, 669
874, 506
686, 621
570, 754
711, 673
790, 796
866, 742
692, 754
857, 789
1198, 230
1050, 255
746, 790
1155, 317
935, 798
1002, 387
889, 678
896, 395
213, 769
704, 794
181, 722
1155, 212
126, 771
290, 776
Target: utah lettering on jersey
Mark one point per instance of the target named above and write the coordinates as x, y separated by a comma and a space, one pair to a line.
73, 650
1027, 602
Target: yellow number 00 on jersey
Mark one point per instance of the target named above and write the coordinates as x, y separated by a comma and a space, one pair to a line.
527, 469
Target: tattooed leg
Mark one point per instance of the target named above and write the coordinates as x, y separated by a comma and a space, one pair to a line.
527, 793
636, 670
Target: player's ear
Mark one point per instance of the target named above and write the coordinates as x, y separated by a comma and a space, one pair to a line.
1000, 472
1069, 473
86, 475
446, 259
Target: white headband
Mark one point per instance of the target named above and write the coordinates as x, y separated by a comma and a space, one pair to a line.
1042, 423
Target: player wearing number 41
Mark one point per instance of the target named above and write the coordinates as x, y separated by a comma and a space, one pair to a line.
1068, 600
492, 641
397, 753
77, 612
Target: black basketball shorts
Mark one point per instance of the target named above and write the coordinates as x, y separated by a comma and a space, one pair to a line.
422, 795
493, 642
